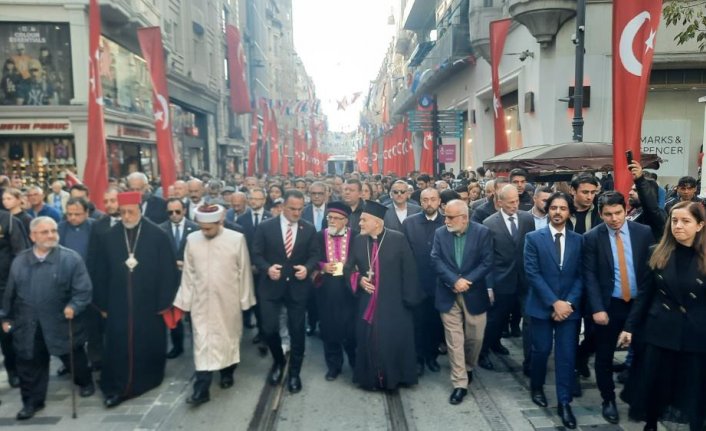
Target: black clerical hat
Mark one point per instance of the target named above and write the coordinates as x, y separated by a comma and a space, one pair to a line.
339, 208
375, 209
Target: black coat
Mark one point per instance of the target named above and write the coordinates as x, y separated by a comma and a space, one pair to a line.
36, 295
648, 213
156, 209
484, 211
598, 274
13, 240
246, 222
508, 274
419, 231
189, 227
268, 249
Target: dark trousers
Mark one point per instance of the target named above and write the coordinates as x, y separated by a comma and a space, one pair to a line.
270, 310
34, 372
563, 335
498, 316
606, 340
588, 344
333, 353
177, 336
96, 327
526, 335
428, 330
8, 353
312, 312
516, 312
204, 378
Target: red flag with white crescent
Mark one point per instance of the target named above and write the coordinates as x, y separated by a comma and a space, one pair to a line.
252, 150
274, 145
95, 172
284, 169
498, 33
239, 94
427, 160
635, 26
150, 39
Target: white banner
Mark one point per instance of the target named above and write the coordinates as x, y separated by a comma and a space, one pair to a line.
669, 139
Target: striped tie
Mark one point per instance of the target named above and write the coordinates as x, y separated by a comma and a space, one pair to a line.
288, 242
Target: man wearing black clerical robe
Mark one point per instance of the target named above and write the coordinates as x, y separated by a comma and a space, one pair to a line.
136, 280
384, 276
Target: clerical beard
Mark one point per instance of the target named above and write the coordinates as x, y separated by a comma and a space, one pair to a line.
131, 225
336, 232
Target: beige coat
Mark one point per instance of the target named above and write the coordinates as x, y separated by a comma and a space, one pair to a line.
216, 285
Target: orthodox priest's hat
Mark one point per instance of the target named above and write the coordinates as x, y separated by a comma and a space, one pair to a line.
339, 208
375, 209
129, 198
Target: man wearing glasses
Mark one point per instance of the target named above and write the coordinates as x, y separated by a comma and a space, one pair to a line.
178, 227
399, 209
686, 191
315, 211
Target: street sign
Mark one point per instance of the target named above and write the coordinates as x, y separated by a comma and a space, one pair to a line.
447, 153
446, 123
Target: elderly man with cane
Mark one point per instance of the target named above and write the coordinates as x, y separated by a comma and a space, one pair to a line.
47, 290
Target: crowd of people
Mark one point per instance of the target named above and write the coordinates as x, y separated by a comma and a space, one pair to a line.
391, 272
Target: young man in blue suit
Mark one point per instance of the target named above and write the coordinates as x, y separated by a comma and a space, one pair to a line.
553, 268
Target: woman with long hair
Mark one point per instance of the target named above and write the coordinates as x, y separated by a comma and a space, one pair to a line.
12, 201
275, 191
367, 192
668, 324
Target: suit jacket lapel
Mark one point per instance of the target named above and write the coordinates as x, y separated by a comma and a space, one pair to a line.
549, 243
604, 244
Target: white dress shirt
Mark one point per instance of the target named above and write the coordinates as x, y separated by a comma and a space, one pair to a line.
562, 241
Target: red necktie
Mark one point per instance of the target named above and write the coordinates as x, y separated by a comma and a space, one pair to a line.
288, 241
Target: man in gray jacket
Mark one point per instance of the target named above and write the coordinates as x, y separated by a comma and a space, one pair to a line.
47, 288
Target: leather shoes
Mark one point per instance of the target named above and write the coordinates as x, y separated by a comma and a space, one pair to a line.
27, 412
87, 390
457, 395
484, 362
294, 384
112, 401
610, 412
420, 369
433, 365
331, 375
226, 382
567, 416
198, 398
500, 350
275, 376
175, 353
539, 398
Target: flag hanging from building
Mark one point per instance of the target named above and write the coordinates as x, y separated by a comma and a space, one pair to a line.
95, 172
239, 93
285, 153
634, 29
150, 39
274, 145
498, 33
252, 151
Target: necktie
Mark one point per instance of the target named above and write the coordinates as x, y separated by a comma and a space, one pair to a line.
557, 246
288, 241
317, 221
177, 236
257, 219
623, 266
513, 227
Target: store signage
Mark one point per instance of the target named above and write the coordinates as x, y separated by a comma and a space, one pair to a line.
35, 127
447, 153
669, 139
128, 133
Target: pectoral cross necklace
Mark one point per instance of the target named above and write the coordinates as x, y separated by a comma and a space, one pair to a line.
376, 255
131, 262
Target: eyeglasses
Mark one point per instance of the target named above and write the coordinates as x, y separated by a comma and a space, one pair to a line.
399, 192
316, 193
170, 212
333, 218
451, 217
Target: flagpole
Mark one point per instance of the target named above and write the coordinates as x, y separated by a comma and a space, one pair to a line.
577, 122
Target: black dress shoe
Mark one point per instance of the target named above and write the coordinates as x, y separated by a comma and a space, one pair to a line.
650, 427
294, 384
470, 377
331, 375
198, 398
539, 398
567, 416
227, 382
610, 412
433, 365
457, 395
112, 401
175, 353
420, 369
500, 350
27, 412
13, 379
87, 390
275, 376
484, 362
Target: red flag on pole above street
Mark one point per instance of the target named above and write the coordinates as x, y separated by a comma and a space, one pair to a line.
95, 173
239, 94
498, 33
252, 151
150, 39
635, 26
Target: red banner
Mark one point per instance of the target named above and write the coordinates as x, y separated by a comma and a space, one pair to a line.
498, 33
284, 169
239, 95
299, 154
635, 25
426, 164
95, 172
408, 149
150, 39
252, 150
274, 145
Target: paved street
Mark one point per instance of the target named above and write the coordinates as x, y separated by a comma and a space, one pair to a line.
497, 401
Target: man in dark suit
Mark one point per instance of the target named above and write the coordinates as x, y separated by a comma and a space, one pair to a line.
400, 208
178, 227
553, 269
508, 227
518, 178
614, 271
490, 207
462, 256
153, 207
254, 214
315, 212
285, 252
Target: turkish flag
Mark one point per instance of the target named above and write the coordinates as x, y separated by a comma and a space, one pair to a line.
239, 95
264, 138
252, 151
375, 157
298, 154
362, 159
150, 39
498, 33
427, 160
284, 169
95, 172
274, 144
635, 25
408, 149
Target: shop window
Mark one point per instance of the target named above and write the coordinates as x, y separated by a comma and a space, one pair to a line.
125, 78
37, 160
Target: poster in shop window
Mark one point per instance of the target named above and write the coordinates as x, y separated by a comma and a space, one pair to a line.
36, 63
669, 139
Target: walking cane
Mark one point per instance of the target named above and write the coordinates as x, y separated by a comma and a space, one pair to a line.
71, 366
